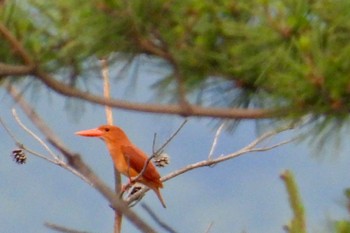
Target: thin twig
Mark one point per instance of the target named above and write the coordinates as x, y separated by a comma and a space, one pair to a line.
215, 141
20, 123
16, 45
171, 137
21, 145
209, 227
134, 179
154, 143
106, 89
62, 229
56, 159
247, 149
165, 226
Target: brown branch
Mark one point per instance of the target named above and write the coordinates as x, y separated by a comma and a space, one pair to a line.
62, 229
172, 109
157, 219
199, 111
75, 161
67, 90
16, 45
161, 50
15, 70
118, 217
247, 149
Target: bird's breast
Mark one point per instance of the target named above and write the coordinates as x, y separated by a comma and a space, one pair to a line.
121, 164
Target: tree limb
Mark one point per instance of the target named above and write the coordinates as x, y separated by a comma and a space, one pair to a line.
15, 70
62, 229
172, 109
16, 45
157, 219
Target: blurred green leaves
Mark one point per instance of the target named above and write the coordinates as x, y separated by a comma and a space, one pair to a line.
270, 54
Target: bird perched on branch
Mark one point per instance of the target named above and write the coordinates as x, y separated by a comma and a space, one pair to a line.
128, 159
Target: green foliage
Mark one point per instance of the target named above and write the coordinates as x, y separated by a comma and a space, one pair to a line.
343, 226
297, 225
267, 53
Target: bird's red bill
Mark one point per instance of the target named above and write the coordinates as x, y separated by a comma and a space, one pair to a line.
90, 133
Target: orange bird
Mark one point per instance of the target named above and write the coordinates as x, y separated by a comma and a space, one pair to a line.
128, 159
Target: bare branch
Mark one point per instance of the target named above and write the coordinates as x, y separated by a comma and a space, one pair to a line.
15, 70
31, 133
165, 226
56, 159
209, 227
16, 45
196, 110
251, 147
106, 89
247, 149
183, 109
216, 137
62, 229
170, 138
172, 109
22, 146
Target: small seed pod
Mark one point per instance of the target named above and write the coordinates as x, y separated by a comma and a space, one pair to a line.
19, 156
162, 160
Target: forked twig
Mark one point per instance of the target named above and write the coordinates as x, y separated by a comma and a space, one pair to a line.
56, 159
170, 138
36, 137
134, 179
21, 145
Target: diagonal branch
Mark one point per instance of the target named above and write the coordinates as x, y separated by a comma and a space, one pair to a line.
61, 229
16, 45
55, 160
215, 141
157, 219
32, 134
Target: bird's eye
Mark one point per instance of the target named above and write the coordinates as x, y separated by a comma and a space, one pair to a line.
106, 129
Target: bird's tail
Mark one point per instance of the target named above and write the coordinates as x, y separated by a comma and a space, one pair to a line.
159, 195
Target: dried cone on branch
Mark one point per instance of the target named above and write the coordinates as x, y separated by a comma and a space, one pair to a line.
19, 156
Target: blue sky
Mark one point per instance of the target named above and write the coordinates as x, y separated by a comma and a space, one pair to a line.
245, 193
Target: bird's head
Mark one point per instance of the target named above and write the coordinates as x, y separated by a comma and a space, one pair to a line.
108, 133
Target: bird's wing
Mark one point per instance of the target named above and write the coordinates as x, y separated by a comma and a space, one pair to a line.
137, 160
